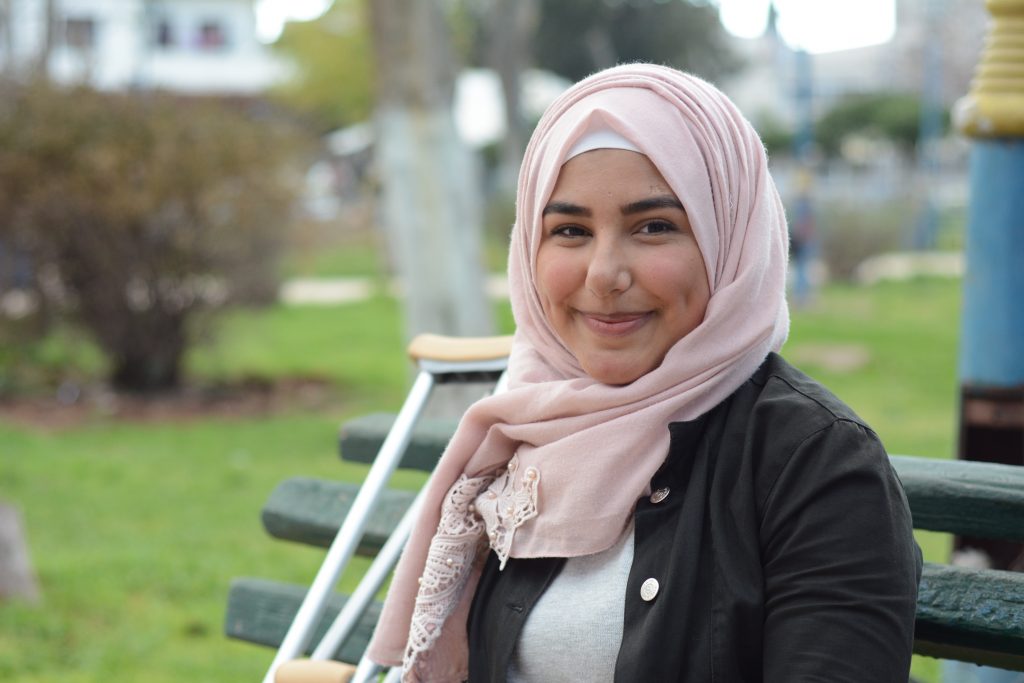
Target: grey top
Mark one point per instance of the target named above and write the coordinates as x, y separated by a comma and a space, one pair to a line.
574, 631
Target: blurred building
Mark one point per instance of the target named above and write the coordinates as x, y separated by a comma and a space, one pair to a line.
188, 46
767, 85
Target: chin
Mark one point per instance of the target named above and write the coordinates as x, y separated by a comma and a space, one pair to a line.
615, 374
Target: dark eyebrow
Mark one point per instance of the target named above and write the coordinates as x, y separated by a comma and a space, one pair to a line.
566, 208
661, 202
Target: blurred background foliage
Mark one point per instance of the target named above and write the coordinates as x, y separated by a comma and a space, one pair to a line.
687, 35
335, 50
333, 66
139, 213
895, 117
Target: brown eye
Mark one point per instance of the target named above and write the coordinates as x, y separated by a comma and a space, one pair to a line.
657, 228
569, 231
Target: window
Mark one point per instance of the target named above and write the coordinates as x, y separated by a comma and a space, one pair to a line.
80, 33
163, 34
212, 36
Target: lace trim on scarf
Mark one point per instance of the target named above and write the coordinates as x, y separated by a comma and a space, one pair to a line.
499, 503
453, 549
509, 502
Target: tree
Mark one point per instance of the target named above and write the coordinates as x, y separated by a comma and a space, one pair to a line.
136, 211
42, 66
892, 116
578, 37
778, 139
509, 25
430, 188
333, 61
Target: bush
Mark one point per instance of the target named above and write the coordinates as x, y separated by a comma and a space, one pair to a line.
138, 213
849, 233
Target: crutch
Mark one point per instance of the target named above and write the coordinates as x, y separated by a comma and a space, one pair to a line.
441, 360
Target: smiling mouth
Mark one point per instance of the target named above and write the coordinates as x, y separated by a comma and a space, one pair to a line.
614, 324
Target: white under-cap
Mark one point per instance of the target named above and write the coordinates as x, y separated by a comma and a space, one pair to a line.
600, 138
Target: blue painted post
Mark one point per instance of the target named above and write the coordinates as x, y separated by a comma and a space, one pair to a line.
803, 237
992, 347
927, 227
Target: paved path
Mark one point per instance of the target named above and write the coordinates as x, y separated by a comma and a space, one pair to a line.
349, 289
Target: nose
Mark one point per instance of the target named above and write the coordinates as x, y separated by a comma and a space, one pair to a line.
608, 271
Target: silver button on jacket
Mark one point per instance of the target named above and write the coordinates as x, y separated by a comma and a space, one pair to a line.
649, 589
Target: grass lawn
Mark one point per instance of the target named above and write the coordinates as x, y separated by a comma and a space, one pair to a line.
136, 528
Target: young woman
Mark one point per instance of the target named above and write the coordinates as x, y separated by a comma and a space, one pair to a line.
659, 496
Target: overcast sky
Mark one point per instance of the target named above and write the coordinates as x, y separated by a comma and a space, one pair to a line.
815, 25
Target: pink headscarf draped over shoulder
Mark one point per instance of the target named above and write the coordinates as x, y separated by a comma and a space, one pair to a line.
554, 466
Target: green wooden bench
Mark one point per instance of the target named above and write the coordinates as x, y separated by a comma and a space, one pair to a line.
974, 615
310, 511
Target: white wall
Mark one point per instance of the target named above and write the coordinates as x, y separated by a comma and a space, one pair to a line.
125, 53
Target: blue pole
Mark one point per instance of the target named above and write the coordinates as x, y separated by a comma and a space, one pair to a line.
992, 341
802, 228
930, 131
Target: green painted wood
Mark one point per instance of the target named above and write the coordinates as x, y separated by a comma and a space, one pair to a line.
954, 496
962, 497
973, 615
359, 440
965, 614
260, 611
310, 511
970, 615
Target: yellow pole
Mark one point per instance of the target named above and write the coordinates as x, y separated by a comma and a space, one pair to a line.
995, 105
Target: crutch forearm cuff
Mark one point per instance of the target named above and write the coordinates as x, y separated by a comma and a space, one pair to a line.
310, 671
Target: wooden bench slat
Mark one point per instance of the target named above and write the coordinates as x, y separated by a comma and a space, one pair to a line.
311, 511
974, 615
966, 614
952, 496
964, 497
260, 611
359, 440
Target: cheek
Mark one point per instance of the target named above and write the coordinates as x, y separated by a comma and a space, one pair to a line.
680, 278
555, 278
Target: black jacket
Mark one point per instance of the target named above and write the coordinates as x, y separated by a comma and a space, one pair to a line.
783, 551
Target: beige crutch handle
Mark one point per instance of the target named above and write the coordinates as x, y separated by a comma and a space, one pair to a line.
312, 671
458, 349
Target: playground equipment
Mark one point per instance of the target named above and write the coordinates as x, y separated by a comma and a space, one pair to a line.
992, 351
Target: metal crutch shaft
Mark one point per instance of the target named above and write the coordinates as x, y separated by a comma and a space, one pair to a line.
342, 548
367, 668
371, 582
367, 671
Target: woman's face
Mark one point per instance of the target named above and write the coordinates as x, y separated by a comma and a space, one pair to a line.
620, 276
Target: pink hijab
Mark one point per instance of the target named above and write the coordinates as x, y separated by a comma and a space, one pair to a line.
554, 466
